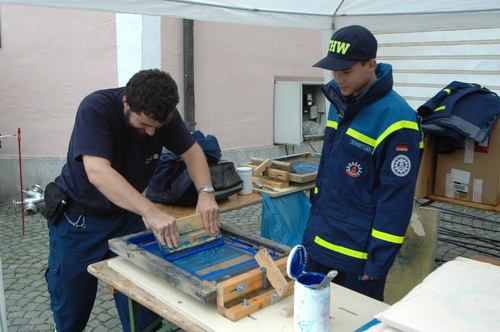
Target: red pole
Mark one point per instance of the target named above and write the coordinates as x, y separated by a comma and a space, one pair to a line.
20, 174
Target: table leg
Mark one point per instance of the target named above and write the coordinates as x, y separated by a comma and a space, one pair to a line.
134, 324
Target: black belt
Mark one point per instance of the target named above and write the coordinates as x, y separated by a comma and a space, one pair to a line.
91, 212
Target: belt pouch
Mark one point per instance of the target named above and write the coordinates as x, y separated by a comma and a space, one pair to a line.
56, 203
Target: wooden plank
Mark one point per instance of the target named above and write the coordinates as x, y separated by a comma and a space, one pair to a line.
193, 316
263, 181
233, 202
117, 281
259, 170
273, 273
278, 164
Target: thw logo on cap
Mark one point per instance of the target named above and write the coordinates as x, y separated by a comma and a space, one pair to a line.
348, 46
338, 47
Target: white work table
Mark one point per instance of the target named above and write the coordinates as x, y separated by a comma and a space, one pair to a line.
349, 310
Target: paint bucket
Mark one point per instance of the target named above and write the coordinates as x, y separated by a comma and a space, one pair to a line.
311, 308
245, 174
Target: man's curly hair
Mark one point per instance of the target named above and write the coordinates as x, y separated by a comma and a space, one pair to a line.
152, 92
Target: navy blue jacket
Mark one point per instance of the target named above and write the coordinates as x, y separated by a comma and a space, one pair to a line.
461, 110
366, 179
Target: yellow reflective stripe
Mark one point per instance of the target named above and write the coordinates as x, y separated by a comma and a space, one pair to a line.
387, 237
332, 124
375, 142
440, 108
448, 91
396, 126
316, 190
361, 137
342, 250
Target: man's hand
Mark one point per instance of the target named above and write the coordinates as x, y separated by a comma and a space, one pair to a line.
210, 211
165, 228
367, 278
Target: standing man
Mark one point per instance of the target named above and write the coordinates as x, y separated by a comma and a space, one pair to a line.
368, 169
113, 152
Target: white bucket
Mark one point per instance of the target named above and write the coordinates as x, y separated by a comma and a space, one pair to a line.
245, 174
311, 306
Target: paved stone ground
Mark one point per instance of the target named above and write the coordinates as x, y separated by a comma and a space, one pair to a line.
463, 232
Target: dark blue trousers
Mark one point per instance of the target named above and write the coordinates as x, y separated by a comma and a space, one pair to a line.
75, 243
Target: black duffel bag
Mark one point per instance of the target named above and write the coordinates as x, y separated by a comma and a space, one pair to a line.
180, 190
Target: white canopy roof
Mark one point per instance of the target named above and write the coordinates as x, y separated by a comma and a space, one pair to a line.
386, 15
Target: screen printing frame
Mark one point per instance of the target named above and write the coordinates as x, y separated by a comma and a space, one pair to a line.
202, 290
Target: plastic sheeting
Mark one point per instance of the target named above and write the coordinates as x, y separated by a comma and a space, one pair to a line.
387, 15
284, 218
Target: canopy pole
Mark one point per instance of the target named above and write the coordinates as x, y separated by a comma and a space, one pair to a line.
188, 49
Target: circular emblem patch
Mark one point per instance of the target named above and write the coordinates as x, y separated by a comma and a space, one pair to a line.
354, 169
401, 165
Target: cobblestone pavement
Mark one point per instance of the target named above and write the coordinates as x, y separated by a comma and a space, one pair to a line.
463, 232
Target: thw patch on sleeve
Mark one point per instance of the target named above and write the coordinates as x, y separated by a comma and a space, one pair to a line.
401, 165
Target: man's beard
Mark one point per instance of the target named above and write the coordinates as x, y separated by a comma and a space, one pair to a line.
136, 134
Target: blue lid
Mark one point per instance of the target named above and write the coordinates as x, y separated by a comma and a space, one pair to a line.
296, 261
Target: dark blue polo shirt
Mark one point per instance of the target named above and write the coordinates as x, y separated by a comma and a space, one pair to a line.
100, 130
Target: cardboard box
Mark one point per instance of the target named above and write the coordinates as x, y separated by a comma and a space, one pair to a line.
472, 172
427, 171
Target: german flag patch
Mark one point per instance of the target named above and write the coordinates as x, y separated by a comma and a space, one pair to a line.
402, 147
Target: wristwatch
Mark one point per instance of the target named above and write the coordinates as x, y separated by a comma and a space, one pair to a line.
206, 189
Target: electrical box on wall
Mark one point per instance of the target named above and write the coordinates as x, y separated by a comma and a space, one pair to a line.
299, 112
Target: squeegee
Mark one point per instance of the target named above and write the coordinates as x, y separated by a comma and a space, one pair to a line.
194, 238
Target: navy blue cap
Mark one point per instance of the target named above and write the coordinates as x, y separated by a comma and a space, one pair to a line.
348, 46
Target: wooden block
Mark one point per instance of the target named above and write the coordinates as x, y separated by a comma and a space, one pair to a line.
272, 271
278, 174
262, 167
287, 311
231, 297
228, 290
252, 305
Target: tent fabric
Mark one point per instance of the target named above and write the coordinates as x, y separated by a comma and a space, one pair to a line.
318, 14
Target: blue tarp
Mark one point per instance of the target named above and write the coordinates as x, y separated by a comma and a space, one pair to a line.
284, 218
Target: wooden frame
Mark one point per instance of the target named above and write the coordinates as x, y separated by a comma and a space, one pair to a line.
202, 290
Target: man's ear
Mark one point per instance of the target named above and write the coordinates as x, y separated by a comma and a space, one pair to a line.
124, 99
371, 63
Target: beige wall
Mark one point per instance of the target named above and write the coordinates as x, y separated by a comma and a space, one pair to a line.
51, 58
235, 68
